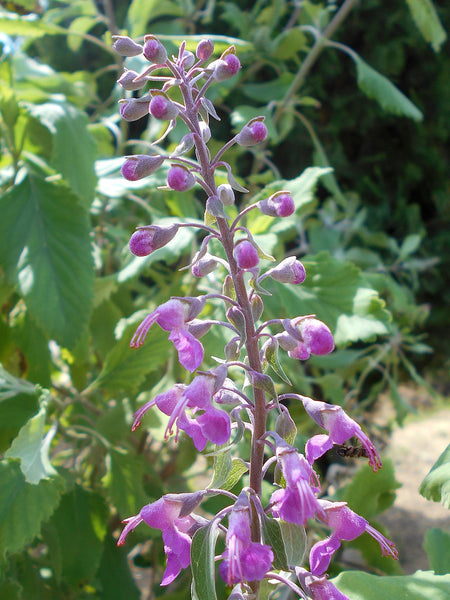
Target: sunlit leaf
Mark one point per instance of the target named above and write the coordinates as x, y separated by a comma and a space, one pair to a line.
436, 485
202, 561
427, 20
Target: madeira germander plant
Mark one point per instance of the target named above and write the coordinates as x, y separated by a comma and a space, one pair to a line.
236, 400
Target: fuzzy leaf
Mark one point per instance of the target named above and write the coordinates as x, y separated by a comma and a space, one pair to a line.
202, 561
427, 20
273, 537
436, 485
23, 506
437, 547
238, 468
382, 90
45, 250
221, 469
295, 542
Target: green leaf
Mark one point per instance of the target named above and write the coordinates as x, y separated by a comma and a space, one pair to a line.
23, 506
370, 493
295, 542
126, 368
238, 468
123, 481
271, 355
141, 12
45, 250
410, 244
11, 386
273, 537
427, 20
354, 328
114, 573
15, 25
221, 469
14, 413
437, 547
379, 88
73, 147
80, 525
288, 43
31, 447
423, 585
436, 485
202, 561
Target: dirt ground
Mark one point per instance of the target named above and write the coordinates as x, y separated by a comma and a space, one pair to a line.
414, 448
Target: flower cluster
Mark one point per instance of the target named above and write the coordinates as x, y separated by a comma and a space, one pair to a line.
212, 405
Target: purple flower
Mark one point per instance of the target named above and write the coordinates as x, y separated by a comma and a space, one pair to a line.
290, 270
340, 428
204, 50
140, 165
279, 204
318, 588
172, 316
244, 560
153, 50
146, 240
133, 109
246, 255
162, 108
164, 514
253, 133
225, 67
316, 336
297, 502
180, 179
346, 525
125, 46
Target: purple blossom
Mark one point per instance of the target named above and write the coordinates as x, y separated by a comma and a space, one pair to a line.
297, 502
246, 255
153, 50
146, 240
125, 46
318, 588
253, 133
140, 166
162, 108
280, 204
164, 514
244, 560
225, 67
290, 270
340, 428
204, 50
316, 336
172, 316
180, 179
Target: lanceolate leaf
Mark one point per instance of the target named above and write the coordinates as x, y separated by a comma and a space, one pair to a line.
426, 18
379, 88
23, 506
202, 561
45, 250
273, 537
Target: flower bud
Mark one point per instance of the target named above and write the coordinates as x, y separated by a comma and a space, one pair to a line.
279, 204
205, 131
180, 179
316, 335
125, 46
198, 328
204, 50
246, 255
162, 108
226, 194
205, 265
232, 350
290, 270
140, 165
300, 352
225, 67
286, 341
153, 50
134, 109
188, 59
146, 240
253, 133
126, 80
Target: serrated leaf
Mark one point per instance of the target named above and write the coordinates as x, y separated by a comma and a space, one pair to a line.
80, 522
73, 153
123, 481
427, 20
273, 537
32, 447
295, 542
202, 561
126, 368
45, 250
436, 485
382, 90
423, 585
23, 506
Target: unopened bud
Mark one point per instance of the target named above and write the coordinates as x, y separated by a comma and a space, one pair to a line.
232, 350
140, 165
204, 50
225, 67
204, 266
153, 50
246, 255
300, 352
253, 133
162, 108
127, 81
198, 328
205, 131
286, 341
133, 109
316, 335
146, 240
125, 46
290, 270
226, 194
188, 59
180, 179
279, 204
257, 307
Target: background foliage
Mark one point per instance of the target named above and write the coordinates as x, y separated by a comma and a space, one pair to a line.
371, 234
